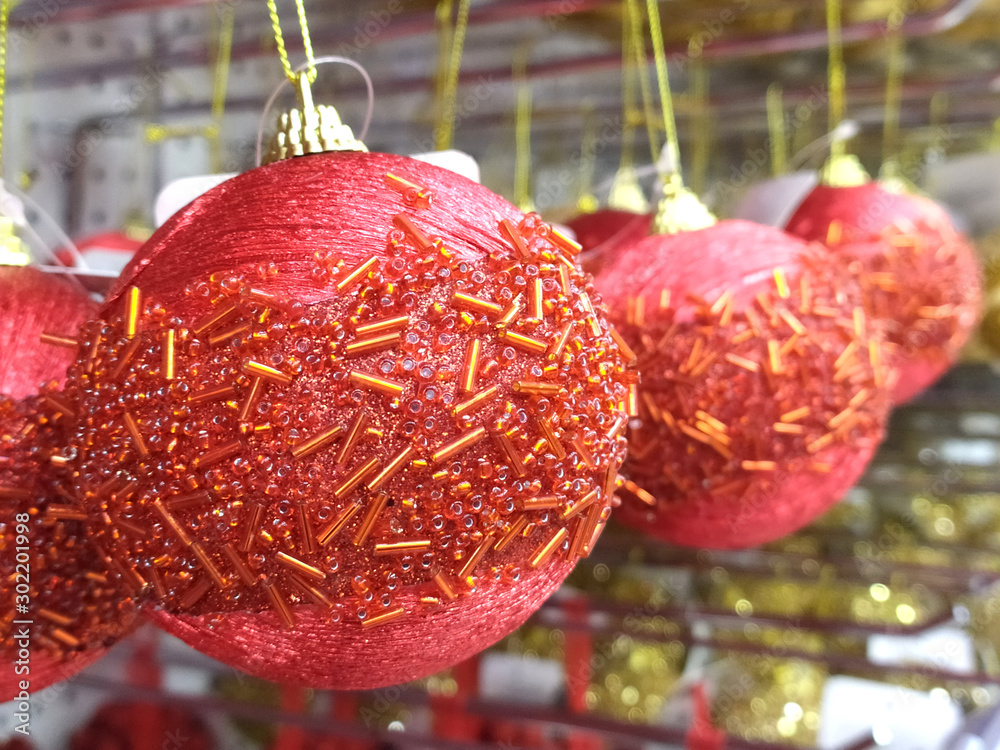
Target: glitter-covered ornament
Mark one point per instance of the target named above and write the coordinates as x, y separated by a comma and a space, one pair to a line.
61, 608
353, 418
33, 303
762, 395
920, 276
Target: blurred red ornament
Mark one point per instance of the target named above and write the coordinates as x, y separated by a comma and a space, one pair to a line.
603, 233
355, 418
920, 275
32, 303
762, 395
117, 726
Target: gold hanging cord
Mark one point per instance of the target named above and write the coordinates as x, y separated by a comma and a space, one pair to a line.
522, 134
841, 169
701, 135
279, 40
679, 210
452, 45
776, 129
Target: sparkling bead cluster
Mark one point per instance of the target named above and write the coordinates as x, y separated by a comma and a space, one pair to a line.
54, 579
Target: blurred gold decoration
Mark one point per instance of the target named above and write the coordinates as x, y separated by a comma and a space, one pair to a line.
766, 698
535, 642
634, 677
989, 252
451, 45
240, 688
13, 251
155, 132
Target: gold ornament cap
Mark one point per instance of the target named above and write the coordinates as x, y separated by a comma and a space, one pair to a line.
680, 210
310, 129
844, 170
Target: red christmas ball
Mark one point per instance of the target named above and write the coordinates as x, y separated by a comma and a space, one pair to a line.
605, 232
762, 392
920, 276
61, 607
357, 417
32, 303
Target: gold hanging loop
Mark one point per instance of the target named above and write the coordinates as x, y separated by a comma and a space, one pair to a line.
626, 194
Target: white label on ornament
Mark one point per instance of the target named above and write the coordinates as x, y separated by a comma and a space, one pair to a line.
453, 160
179, 193
945, 647
520, 679
774, 201
897, 717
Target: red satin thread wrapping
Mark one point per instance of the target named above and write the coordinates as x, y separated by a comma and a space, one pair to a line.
31, 302
268, 228
316, 655
922, 277
697, 495
735, 255
283, 216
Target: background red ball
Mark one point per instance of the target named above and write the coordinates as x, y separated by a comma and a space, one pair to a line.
921, 276
33, 302
762, 397
603, 233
